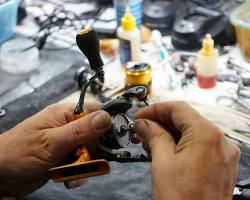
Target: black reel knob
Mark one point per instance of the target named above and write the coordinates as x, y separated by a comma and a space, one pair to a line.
88, 42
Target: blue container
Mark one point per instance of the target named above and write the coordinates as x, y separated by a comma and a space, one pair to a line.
135, 8
8, 19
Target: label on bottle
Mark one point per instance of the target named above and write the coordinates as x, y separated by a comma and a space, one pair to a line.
125, 51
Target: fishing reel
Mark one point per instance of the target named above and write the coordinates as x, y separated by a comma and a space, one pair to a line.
111, 146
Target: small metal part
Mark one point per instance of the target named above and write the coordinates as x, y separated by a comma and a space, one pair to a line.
244, 93
140, 90
225, 101
121, 130
2, 112
244, 86
245, 77
233, 66
190, 74
82, 76
131, 126
229, 78
242, 190
230, 101
244, 184
179, 67
146, 102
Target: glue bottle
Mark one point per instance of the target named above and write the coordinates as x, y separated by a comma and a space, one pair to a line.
130, 40
207, 64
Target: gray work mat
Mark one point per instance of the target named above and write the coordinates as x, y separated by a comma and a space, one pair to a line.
9, 81
125, 182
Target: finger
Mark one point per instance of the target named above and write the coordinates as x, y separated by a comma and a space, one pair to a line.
67, 110
180, 114
159, 141
57, 115
78, 132
89, 108
74, 184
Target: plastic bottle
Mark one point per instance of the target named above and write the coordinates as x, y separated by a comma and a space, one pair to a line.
130, 40
207, 64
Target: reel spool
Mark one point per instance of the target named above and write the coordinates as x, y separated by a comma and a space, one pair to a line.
138, 74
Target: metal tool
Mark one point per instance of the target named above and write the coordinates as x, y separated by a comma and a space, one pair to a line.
242, 190
2, 112
110, 147
230, 101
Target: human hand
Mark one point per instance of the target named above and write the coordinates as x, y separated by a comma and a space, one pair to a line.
30, 149
191, 158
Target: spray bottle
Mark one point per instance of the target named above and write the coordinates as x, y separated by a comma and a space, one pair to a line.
207, 64
164, 56
130, 40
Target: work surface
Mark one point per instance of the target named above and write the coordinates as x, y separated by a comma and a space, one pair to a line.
126, 181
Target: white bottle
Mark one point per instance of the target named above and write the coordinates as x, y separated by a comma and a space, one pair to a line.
207, 64
130, 39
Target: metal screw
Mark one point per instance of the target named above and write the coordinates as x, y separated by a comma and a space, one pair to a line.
131, 127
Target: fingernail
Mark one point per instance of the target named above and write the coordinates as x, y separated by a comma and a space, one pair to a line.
101, 120
136, 139
141, 127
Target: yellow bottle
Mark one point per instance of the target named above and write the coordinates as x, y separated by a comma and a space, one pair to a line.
207, 64
130, 40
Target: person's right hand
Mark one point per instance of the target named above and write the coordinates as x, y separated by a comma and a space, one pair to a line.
191, 158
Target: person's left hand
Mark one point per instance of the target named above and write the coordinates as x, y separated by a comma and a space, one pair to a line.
30, 149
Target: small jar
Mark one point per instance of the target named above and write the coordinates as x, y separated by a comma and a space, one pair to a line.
138, 74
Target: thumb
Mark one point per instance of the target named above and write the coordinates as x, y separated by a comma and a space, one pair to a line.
64, 139
156, 138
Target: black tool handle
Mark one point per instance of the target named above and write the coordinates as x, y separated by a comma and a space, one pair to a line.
88, 42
